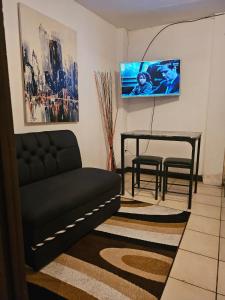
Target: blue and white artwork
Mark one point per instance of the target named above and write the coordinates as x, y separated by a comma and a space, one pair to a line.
49, 57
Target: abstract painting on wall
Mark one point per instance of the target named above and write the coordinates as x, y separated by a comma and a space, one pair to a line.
49, 57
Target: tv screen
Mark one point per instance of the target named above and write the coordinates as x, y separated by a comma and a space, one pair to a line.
150, 78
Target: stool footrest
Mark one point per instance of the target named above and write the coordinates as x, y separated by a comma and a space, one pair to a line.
179, 184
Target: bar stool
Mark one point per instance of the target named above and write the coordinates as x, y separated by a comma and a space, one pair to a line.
155, 161
177, 162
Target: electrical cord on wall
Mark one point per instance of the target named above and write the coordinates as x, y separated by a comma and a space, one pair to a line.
175, 23
151, 124
150, 128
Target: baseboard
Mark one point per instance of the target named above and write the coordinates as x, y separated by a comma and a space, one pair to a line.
152, 172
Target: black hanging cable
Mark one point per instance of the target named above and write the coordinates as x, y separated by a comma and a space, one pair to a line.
151, 125
175, 23
153, 112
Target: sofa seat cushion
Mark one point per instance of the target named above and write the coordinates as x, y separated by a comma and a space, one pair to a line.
56, 199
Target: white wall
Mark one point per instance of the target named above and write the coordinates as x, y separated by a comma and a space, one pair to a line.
215, 127
97, 45
201, 105
121, 123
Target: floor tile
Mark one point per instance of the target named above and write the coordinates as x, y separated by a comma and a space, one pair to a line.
174, 204
222, 249
195, 269
147, 177
176, 289
148, 199
221, 278
222, 229
220, 297
178, 189
206, 210
204, 224
176, 197
223, 214
223, 201
209, 189
150, 185
207, 199
142, 196
145, 193
200, 243
176, 180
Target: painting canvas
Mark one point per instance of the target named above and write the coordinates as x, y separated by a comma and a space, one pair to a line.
49, 58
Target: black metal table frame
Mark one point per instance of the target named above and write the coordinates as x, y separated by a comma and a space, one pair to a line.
154, 136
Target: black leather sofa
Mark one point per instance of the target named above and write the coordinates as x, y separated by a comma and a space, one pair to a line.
61, 201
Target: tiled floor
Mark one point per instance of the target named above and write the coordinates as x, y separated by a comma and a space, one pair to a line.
198, 272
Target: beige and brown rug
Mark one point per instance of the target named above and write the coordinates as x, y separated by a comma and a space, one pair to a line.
127, 257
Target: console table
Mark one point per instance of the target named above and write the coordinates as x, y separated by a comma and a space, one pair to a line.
192, 138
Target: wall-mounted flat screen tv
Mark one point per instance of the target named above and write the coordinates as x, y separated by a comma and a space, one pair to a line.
150, 78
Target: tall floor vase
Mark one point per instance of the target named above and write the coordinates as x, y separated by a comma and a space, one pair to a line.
104, 88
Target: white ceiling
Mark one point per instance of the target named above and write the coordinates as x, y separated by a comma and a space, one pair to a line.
137, 14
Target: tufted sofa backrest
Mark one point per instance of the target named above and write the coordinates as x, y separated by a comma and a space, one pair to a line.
44, 154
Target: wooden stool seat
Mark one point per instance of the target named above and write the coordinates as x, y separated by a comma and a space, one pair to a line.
178, 162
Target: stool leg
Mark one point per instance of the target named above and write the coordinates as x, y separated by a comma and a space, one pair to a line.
164, 182
190, 189
160, 178
133, 166
138, 175
157, 182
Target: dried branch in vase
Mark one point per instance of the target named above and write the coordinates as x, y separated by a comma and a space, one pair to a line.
104, 88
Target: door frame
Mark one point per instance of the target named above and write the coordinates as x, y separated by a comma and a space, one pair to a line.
12, 264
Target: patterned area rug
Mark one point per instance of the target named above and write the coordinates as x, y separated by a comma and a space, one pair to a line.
127, 257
